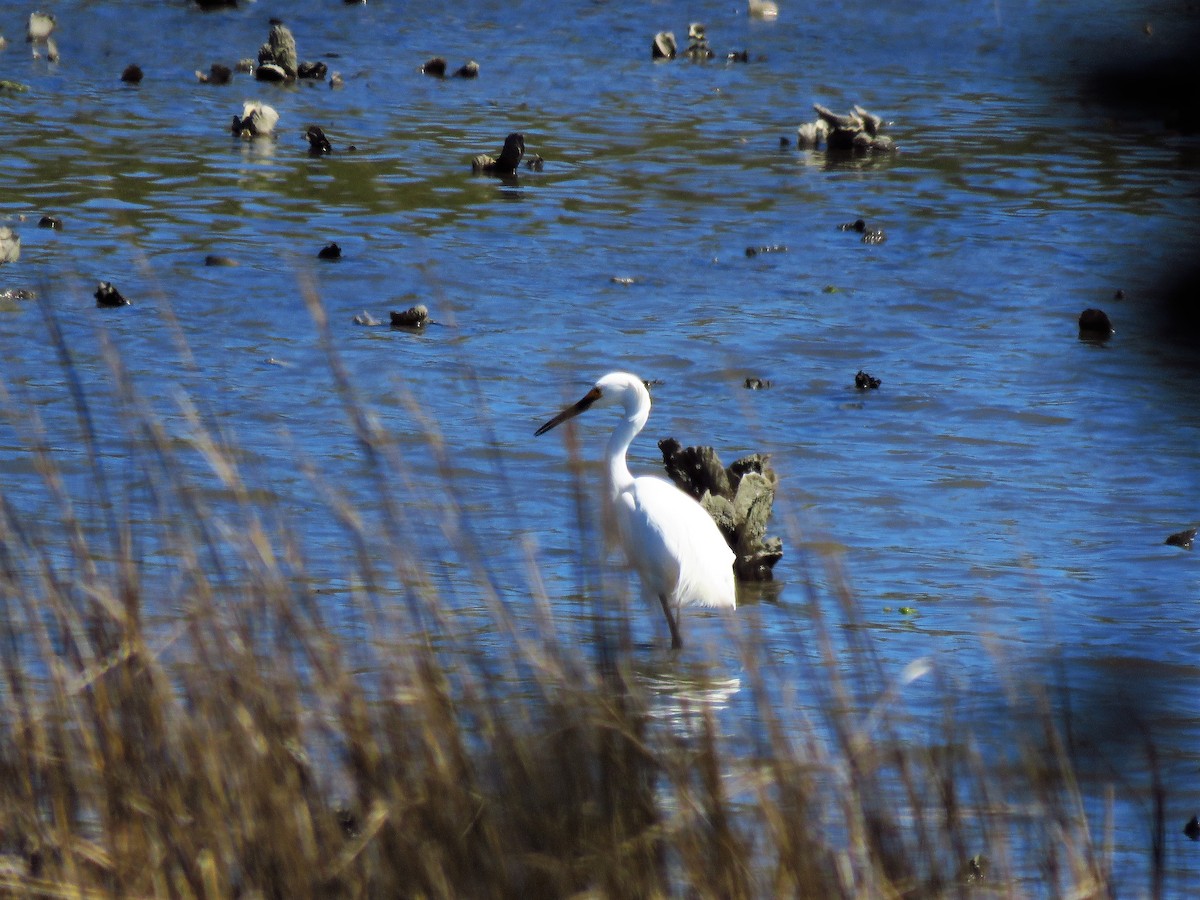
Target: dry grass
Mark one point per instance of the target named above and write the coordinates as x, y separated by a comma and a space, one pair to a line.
246, 749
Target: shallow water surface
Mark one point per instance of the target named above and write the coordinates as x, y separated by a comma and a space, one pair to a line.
1007, 481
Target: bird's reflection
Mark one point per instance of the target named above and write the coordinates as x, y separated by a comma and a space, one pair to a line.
684, 697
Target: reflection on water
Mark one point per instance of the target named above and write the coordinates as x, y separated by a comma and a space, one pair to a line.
684, 700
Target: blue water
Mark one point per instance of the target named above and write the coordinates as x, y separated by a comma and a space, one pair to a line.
998, 505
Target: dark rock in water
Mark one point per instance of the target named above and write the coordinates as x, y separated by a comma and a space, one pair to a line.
1192, 829
663, 46
508, 160
271, 72
739, 499
366, 319
435, 67
865, 382
330, 251
132, 74
217, 74
317, 142
315, 71
870, 234
50, 222
1182, 539
107, 295
757, 384
770, 248
415, 317
469, 69
1094, 325
212, 260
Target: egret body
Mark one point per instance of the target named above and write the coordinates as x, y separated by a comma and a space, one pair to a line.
667, 536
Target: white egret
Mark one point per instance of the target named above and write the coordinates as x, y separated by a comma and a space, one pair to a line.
667, 536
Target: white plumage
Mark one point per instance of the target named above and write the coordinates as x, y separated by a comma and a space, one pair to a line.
667, 536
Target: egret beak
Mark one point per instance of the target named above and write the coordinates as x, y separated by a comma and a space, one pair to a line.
571, 411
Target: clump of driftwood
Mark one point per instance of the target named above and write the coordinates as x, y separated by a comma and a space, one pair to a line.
739, 498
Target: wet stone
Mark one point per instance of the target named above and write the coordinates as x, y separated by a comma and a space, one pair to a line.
108, 296
415, 317
1182, 539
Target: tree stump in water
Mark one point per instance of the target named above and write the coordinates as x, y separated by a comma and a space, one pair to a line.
739, 498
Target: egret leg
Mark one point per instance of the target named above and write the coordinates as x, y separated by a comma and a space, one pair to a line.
676, 640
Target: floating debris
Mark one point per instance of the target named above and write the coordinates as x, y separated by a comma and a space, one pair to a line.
435, 67
257, 120
811, 135
366, 319
858, 132
763, 9
318, 144
312, 71
107, 295
698, 49
1094, 325
10, 245
663, 46
508, 160
217, 74
50, 222
865, 382
1182, 538
622, 279
132, 74
870, 234
330, 251
739, 498
757, 384
415, 317
214, 260
771, 248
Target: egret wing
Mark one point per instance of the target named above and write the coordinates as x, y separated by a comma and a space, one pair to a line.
675, 545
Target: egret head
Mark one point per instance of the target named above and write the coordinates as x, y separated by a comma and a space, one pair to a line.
614, 388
